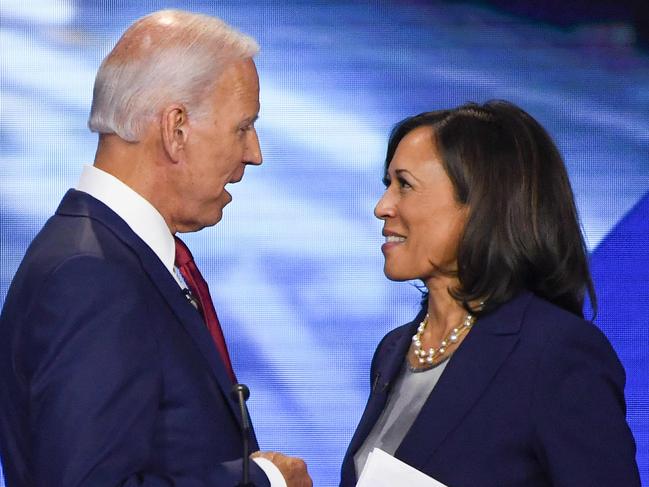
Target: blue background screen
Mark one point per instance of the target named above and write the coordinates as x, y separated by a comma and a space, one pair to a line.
295, 266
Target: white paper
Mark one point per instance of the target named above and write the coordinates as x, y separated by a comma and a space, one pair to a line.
384, 470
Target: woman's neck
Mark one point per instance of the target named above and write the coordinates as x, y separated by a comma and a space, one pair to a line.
444, 312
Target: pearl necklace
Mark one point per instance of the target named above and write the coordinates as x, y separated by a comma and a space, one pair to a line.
428, 357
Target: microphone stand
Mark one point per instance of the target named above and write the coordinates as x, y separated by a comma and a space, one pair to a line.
241, 393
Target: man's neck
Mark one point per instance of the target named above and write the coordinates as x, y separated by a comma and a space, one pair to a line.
132, 163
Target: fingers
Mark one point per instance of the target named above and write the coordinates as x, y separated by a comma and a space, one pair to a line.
293, 469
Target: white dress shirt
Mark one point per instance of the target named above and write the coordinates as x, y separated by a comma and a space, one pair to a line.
148, 224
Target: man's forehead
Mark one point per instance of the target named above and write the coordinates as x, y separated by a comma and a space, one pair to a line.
240, 71
238, 83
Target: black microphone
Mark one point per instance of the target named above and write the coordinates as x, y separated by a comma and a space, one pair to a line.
379, 387
241, 393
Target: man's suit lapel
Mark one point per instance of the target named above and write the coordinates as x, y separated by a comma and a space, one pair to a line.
464, 380
78, 203
190, 319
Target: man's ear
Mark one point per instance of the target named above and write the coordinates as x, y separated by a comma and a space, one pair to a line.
174, 131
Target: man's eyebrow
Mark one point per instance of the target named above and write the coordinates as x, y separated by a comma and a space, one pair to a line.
252, 119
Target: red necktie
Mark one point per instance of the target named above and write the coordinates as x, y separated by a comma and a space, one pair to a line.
198, 287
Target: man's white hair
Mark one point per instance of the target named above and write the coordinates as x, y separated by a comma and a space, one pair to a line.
169, 56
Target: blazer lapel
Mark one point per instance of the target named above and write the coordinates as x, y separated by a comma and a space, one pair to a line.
82, 204
465, 378
388, 363
190, 319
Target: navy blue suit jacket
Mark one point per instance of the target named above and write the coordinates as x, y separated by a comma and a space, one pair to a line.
108, 376
533, 397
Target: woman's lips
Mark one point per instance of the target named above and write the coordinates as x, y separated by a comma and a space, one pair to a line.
391, 241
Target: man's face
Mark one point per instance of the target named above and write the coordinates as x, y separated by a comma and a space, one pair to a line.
218, 148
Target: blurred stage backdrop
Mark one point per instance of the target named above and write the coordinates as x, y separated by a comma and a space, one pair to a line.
295, 266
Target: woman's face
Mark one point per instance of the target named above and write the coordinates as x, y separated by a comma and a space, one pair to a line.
422, 220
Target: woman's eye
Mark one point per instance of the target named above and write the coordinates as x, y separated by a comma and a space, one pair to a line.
403, 184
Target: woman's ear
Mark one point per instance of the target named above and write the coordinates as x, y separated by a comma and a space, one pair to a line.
174, 131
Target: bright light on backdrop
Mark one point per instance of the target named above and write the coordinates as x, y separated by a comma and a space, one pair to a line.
295, 265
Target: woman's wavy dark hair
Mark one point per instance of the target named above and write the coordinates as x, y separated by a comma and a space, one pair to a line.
522, 230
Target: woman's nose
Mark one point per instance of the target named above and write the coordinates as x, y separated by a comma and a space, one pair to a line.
385, 206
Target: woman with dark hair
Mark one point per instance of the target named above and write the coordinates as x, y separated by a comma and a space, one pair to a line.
499, 380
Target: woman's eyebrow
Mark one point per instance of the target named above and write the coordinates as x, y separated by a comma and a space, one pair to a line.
399, 172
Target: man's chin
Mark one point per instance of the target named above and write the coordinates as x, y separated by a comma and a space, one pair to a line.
213, 221
195, 226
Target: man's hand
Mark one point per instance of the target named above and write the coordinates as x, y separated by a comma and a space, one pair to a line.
293, 469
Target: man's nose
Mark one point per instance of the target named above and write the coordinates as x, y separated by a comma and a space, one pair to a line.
253, 150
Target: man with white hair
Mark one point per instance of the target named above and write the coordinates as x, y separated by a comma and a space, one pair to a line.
113, 366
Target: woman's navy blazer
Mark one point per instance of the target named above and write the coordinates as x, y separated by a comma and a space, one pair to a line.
533, 397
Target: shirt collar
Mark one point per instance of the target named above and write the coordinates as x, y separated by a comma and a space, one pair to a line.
143, 218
